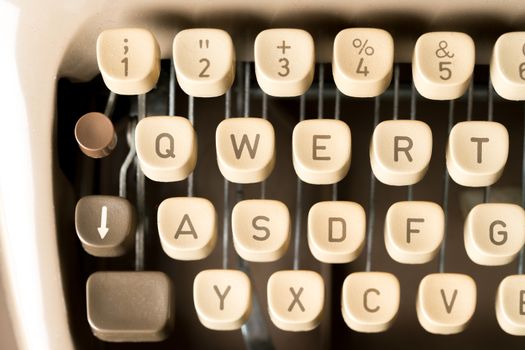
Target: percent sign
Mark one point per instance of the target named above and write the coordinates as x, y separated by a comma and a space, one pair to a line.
358, 44
368, 50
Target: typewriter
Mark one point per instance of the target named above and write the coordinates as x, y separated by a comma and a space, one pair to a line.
263, 174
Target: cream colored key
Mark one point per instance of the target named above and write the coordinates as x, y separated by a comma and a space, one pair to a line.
222, 298
442, 64
446, 302
477, 152
507, 66
295, 299
187, 227
370, 301
336, 231
362, 61
494, 233
321, 150
400, 151
261, 229
414, 231
166, 148
284, 61
129, 60
204, 60
510, 304
245, 149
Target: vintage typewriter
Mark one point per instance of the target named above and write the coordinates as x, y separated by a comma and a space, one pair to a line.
263, 174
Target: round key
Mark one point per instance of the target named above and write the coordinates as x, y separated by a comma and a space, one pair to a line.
295, 299
284, 61
442, 64
95, 135
261, 229
321, 150
400, 151
187, 227
445, 302
510, 304
414, 231
166, 148
362, 61
129, 60
204, 60
370, 301
336, 231
507, 66
494, 233
222, 298
477, 152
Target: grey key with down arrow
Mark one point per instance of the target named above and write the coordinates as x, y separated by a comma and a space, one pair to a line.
105, 225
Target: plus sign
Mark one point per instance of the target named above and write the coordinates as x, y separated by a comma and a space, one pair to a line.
284, 47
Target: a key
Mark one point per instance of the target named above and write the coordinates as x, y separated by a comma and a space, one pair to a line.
166, 148
295, 299
414, 231
494, 233
477, 152
336, 231
204, 60
222, 298
370, 301
95, 135
129, 60
442, 64
261, 229
400, 151
245, 149
507, 66
187, 227
284, 61
321, 150
362, 61
130, 306
510, 304
105, 225
446, 302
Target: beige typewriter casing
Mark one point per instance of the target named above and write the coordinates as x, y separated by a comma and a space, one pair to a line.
41, 41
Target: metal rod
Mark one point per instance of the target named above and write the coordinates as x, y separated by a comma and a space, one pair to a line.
172, 92
141, 208
521, 259
396, 92
490, 117
265, 117
470, 100
110, 104
413, 97
337, 116
191, 118
298, 201
446, 186
123, 172
371, 198
226, 196
247, 78
320, 92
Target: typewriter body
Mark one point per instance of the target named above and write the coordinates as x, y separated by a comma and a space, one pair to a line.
341, 271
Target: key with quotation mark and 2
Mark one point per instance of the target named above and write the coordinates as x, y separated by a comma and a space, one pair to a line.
105, 225
204, 60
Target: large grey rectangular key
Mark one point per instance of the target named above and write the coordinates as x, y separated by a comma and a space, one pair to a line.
130, 306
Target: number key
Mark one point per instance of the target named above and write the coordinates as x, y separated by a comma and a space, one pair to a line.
442, 64
284, 61
507, 66
204, 60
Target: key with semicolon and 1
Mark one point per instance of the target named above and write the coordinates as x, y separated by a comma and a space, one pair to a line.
105, 225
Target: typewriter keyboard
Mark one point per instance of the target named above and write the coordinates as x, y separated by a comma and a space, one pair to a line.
212, 203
